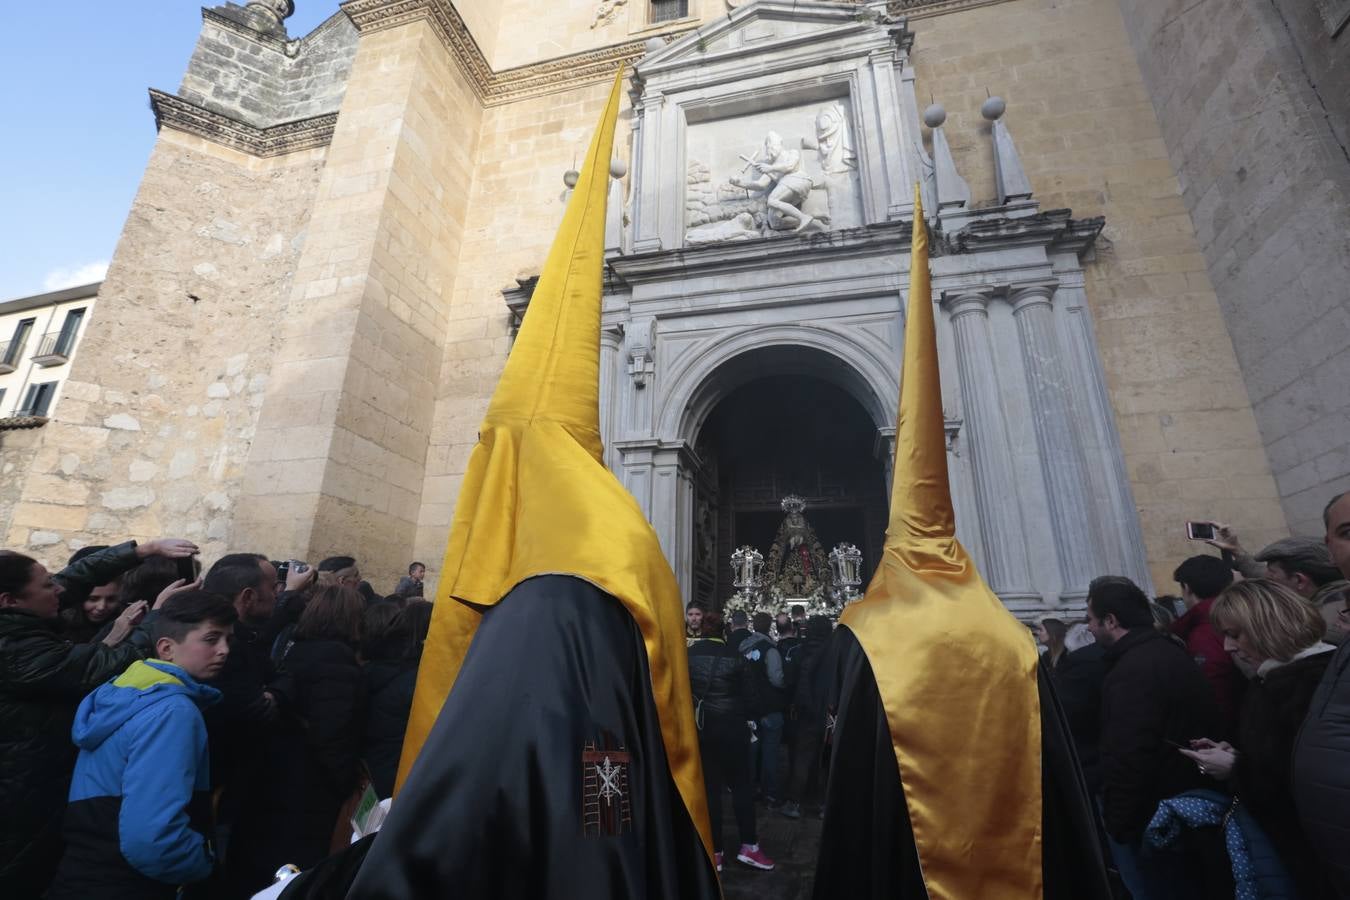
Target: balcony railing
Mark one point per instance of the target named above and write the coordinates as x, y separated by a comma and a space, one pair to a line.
6, 364
54, 349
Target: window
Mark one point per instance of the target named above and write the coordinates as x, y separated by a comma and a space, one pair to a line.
69, 329
20, 338
2, 399
668, 10
39, 399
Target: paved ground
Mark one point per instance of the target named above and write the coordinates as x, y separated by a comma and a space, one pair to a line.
791, 843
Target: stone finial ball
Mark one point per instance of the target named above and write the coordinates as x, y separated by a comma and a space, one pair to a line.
935, 115
617, 168
654, 44
993, 108
570, 178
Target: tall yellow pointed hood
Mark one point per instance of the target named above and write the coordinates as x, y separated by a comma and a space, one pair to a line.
955, 671
537, 499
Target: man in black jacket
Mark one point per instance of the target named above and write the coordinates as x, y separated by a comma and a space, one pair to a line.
1321, 769
1078, 681
237, 726
1154, 700
718, 682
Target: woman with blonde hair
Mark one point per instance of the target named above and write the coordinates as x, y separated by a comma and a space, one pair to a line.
1277, 635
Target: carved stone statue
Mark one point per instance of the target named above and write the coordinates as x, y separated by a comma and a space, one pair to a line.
837, 163
778, 173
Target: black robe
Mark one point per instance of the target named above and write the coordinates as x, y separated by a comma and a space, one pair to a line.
506, 800
867, 846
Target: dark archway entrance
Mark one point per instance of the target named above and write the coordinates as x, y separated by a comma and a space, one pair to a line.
773, 436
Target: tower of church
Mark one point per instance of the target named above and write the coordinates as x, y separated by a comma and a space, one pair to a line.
336, 233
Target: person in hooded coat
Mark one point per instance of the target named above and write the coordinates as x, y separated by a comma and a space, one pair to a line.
139, 814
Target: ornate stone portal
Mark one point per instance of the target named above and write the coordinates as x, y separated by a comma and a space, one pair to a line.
766, 232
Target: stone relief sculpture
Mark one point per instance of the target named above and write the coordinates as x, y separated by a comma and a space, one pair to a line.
779, 175
837, 162
773, 192
607, 11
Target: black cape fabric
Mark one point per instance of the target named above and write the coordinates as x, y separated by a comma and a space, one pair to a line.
496, 805
867, 847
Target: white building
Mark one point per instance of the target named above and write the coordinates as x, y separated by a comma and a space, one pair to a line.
39, 336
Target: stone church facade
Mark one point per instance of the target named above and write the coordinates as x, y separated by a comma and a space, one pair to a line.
335, 235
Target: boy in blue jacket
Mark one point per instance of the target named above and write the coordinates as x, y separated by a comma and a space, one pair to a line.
139, 806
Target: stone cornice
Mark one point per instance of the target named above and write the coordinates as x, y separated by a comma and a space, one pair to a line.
1054, 228
497, 88
286, 137
925, 9
16, 423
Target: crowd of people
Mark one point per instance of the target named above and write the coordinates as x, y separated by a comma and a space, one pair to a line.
1213, 727
164, 728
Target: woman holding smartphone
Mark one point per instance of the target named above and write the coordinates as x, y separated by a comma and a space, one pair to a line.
1277, 635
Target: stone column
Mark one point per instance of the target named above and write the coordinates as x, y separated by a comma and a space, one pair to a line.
666, 508
611, 338
985, 434
648, 174
1128, 543
1062, 462
899, 188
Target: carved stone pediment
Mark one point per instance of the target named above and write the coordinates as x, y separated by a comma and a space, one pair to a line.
769, 26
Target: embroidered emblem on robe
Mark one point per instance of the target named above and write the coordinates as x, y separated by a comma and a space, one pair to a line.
605, 806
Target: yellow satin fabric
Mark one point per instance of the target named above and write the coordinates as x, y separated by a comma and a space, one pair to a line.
956, 672
537, 499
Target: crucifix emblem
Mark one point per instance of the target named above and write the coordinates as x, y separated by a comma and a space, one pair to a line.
609, 780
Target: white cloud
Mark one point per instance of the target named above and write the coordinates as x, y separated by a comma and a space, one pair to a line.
74, 276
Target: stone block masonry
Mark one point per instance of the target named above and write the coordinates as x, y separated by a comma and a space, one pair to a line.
163, 401
1253, 100
344, 429
238, 73
1088, 136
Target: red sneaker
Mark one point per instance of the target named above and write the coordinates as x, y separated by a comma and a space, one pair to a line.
751, 855
719, 860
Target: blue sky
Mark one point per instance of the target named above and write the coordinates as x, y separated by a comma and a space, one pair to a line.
78, 127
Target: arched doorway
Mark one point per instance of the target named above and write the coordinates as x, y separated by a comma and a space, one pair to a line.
781, 421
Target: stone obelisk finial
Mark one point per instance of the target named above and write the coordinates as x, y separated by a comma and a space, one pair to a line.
1009, 176
269, 16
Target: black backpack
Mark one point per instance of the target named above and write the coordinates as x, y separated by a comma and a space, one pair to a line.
764, 697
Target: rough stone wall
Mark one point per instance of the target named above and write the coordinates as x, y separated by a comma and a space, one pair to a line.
514, 210
1080, 115
338, 464
1254, 103
259, 82
156, 419
18, 446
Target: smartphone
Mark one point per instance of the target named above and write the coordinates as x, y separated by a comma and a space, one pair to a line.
1200, 531
186, 570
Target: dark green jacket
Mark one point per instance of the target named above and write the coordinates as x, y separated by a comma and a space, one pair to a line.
43, 678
